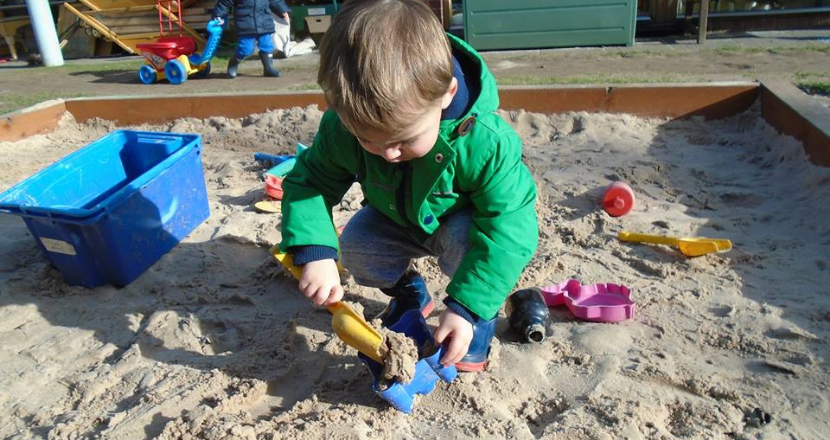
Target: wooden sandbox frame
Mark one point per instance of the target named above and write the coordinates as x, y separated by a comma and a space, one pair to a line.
783, 106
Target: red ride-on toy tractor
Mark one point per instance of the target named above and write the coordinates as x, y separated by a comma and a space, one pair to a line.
174, 56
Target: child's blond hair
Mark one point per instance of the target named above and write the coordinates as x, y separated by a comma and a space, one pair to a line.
383, 63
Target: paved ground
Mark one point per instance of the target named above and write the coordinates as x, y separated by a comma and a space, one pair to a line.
792, 55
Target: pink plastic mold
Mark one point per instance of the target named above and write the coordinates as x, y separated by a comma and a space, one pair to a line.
599, 302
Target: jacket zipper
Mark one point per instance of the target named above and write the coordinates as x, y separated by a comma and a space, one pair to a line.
404, 191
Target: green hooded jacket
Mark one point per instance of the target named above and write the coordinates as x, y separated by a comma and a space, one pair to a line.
476, 162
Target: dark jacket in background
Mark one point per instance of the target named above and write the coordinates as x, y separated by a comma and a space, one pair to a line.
252, 17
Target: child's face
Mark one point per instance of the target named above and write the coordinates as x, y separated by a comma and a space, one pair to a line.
414, 141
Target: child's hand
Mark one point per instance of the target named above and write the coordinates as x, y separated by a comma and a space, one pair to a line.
460, 334
321, 282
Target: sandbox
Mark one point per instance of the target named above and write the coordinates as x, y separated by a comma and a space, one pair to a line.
214, 342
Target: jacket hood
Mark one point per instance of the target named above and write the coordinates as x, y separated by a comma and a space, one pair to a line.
487, 100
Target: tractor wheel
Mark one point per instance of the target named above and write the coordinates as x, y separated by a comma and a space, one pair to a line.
147, 74
175, 71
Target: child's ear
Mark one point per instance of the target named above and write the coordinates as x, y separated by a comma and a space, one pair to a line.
447, 98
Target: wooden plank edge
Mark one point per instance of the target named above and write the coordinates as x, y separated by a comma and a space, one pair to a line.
792, 112
164, 108
669, 101
38, 119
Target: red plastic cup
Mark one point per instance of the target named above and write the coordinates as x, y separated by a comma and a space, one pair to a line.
618, 199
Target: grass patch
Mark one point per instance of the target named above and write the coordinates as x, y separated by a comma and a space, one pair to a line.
805, 76
741, 49
815, 88
638, 53
822, 48
10, 102
112, 66
219, 62
516, 57
593, 79
130, 65
304, 87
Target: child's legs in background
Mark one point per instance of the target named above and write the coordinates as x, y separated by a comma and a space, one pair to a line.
377, 251
245, 46
265, 42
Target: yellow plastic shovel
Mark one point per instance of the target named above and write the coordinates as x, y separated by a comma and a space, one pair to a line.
350, 327
690, 247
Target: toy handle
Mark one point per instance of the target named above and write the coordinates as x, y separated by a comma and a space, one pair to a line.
647, 238
273, 158
353, 329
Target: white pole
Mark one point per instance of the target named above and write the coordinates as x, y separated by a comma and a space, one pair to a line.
45, 34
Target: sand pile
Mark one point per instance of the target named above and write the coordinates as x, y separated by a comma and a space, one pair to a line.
399, 354
213, 342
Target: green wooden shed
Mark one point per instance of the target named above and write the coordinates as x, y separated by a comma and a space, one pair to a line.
522, 24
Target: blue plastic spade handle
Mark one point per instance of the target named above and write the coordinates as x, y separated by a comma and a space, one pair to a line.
215, 31
283, 166
273, 158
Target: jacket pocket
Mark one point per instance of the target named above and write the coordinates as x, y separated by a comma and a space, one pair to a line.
445, 194
382, 195
443, 198
382, 186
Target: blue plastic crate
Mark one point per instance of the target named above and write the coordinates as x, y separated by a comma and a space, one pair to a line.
107, 212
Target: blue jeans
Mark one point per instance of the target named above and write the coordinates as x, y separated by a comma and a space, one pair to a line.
245, 46
377, 251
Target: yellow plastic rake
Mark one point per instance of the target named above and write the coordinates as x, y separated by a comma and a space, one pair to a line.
690, 247
349, 326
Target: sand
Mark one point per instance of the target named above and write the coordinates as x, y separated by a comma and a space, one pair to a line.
214, 342
400, 354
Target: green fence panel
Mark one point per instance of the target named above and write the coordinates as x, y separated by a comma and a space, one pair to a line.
521, 24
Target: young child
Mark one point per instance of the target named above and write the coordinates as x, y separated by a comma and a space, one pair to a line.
411, 117
255, 25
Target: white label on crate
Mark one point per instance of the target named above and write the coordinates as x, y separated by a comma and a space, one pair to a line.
58, 246
316, 11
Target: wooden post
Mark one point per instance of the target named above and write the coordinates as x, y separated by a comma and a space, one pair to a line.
703, 21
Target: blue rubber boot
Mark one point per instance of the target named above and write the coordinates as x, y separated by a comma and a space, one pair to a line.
233, 66
476, 357
410, 292
268, 68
